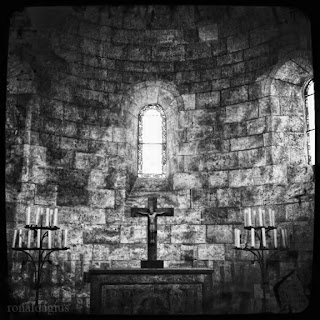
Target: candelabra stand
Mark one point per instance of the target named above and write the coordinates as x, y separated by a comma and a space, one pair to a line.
43, 255
261, 256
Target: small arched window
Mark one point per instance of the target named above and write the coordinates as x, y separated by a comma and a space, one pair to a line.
152, 146
310, 120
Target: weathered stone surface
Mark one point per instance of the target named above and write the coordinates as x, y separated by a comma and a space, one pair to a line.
242, 111
222, 161
102, 198
211, 251
228, 197
187, 181
209, 32
234, 95
244, 143
220, 234
236, 43
256, 126
241, 178
252, 158
230, 58
189, 101
168, 251
218, 179
185, 233
207, 100
102, 234
133, 234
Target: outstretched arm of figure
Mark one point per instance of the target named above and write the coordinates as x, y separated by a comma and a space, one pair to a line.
144, 213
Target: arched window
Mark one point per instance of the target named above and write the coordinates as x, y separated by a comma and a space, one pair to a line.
152, 145
310, 120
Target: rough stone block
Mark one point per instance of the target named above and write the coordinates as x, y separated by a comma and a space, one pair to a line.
230, 58
211, 251
256, 126
133, 234
163, 233
252, 158
102, 234
220, 234
185, 119
208, 33
207, 100
276, 155
234, 130
102, 198
100, 252
188, 252
182, 216
274, 139
168, 53
257, 51
237, 42
249, 142
201, 198
300, 174
252, 196
241, 111
187, 181
211, 145
278, 123
188, 149
299, 212
241, 178
191, 163
188, 233
72, 196
234, 95
201, 133
228, 197
211, 215
198, 51
96, 179
203, 86
224, 161
168, 251
189, 101
205, 118
276, 174
218, 179
220, 84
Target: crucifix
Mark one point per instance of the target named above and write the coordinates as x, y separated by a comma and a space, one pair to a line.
152, 212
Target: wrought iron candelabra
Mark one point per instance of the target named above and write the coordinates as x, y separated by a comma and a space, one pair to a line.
263, 252
40, 233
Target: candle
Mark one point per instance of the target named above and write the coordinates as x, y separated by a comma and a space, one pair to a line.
245, 217
47, 217
20, 238
29, 238
55, 219
61, 237
49, 239
14, 239
252, 237
37, 216
260, 218
28, 216
283, 238
275, 238
263, 233
273, 219
38, 238
249, 218
65, 237
237, 238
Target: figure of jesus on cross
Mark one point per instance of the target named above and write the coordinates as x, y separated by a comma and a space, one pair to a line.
152, 212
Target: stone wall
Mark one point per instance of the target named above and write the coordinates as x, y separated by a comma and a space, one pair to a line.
230, 80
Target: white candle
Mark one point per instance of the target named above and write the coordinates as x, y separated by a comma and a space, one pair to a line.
237, 238
283, 238
275, 238
65, 237
14, 239
51, 218
252, 237
263, 233
47, 217
273, 218
49, 239
38, 238
37, 216
28, 216
29, 238
245, 217
249, 217
260, 218
55, 219
20, 238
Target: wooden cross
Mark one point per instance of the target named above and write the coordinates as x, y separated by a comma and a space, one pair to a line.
152, 212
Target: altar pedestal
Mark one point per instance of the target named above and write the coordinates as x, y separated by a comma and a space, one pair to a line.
150, 291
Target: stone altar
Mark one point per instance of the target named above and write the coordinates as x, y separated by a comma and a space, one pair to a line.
150, 291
